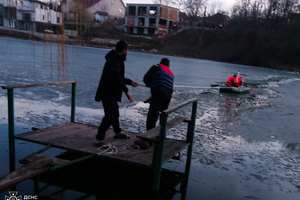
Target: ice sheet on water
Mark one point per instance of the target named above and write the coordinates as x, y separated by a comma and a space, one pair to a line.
215, 147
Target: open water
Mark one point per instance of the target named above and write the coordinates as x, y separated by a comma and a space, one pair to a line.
245, 147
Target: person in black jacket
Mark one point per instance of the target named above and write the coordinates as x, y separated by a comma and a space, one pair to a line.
160, 80
110, 88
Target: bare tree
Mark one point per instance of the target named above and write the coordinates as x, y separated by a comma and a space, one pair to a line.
279, 10
270, 12
195, 8
215, 7
178, 4
248, 10
83, 18
296, 8
281, 7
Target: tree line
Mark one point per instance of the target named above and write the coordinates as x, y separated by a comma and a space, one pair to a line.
260, 32
247, 9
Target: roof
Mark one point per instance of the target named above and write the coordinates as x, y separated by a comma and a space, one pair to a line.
150, 4
220, 16
101, 13
46, 1
87, 3
183, 15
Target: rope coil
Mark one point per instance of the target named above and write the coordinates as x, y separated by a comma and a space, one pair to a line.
114, 148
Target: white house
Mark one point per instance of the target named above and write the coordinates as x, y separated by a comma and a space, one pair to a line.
46, 15
114, 8
8, 12
36, 15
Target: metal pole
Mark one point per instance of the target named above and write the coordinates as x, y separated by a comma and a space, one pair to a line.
72, 162
73, 105
11, 128
160, 150
36, 185
191, 130
190, 139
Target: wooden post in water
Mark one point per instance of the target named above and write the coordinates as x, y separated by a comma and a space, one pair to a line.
73, 104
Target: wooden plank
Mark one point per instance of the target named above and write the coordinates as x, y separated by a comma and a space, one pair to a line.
40, 131
82, 139
30, 170
153, 133
61, 135
32, 157
52, 134
172, 147
83, 142
144, 156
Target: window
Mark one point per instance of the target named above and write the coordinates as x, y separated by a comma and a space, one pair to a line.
12, 13
142, 11
112, 2
26, 16
57, 20
11, 22
153, 11
121, 11
41, 6
43, 17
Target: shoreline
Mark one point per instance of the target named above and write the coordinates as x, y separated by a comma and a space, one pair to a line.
153, 48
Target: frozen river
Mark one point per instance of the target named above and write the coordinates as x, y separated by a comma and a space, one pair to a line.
245, 147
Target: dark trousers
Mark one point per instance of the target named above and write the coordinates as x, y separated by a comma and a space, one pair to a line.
160, 101
111, 117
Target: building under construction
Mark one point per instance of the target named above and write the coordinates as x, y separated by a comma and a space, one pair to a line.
150, 19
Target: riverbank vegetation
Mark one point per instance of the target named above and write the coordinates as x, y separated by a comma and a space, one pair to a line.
260, 32
258, 47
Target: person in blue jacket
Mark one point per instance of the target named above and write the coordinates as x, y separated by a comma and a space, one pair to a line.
160, 80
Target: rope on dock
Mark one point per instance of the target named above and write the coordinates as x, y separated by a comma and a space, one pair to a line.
113, 148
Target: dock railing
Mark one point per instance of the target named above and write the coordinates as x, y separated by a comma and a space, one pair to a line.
162, 134
11, 122
160, 131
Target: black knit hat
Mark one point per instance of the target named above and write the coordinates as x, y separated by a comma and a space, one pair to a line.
165, 61
121, 45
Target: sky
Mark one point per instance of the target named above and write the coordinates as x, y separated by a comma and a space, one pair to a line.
227, 4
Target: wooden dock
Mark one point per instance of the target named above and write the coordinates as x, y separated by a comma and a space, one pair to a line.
79, 138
